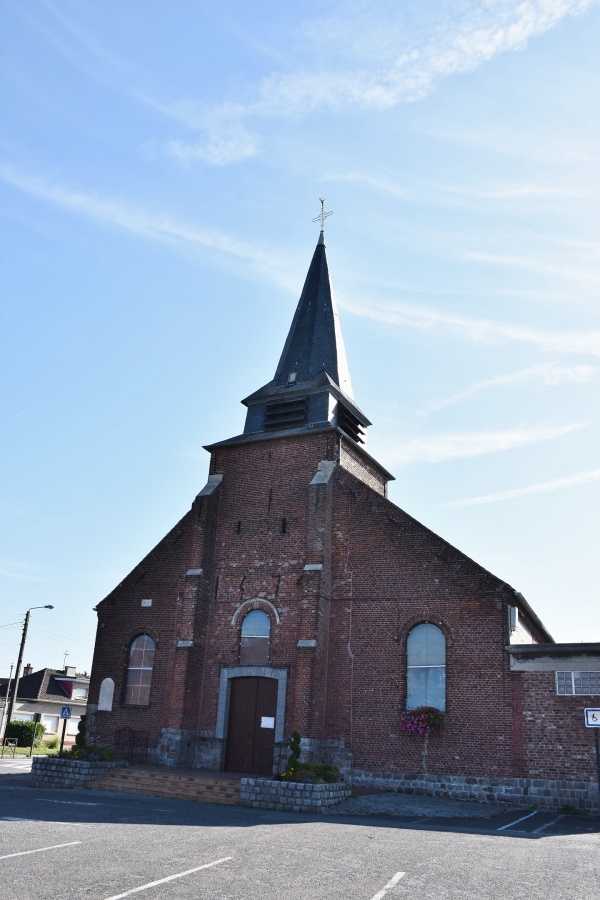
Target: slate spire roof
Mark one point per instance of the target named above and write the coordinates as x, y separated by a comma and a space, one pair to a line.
311, 389
315, 343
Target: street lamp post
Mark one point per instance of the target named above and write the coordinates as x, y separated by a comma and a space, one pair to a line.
15, 689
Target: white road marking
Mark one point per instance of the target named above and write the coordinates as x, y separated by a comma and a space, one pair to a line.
516, 822
391, 883
67, 802
40, 849
144, 887
547, 824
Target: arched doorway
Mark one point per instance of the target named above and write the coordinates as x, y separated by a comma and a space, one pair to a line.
251, 725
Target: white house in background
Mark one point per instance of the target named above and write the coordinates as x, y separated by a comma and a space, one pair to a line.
47, 691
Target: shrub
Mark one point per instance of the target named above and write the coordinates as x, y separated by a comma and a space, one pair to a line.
24, 732
293, 763
90, 753
51, 743
312, 773
319, 772
81, 730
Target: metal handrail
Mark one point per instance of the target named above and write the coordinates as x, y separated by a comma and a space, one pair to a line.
106, 743
264, 750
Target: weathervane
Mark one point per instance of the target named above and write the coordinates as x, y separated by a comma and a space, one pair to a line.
323, 215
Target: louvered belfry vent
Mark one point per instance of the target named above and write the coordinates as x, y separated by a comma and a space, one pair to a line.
350, 425
286, 413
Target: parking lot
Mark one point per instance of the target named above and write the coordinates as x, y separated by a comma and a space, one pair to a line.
106, 846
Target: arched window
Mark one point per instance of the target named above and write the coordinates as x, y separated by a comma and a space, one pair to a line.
254, 646
426, 668
139, 671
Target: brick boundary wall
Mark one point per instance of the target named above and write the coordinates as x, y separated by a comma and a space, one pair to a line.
260, 793
52, 772
540, 792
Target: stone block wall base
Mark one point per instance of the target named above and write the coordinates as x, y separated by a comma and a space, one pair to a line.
260, 793
527, 792
327, 751
176, 747
53, 772
210, 752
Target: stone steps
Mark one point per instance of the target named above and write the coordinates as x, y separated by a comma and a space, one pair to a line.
200, 788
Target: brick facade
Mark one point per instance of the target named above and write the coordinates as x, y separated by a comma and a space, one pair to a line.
296, 523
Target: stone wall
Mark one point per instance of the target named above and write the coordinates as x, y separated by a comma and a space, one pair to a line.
326, 751
52, 772
528, 792
287, 795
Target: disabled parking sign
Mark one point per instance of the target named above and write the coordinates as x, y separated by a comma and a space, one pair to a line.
592, 718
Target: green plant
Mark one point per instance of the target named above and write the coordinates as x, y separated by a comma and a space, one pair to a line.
89, 753
81, 730
319, 772
421, 720
24, 732
51, 743
293, 761
311, 773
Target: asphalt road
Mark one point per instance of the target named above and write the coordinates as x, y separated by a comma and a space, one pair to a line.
95, 845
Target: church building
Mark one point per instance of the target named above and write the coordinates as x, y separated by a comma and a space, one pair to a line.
293, 595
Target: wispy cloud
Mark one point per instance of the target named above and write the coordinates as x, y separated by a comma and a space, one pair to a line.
542, 487
230, 144
545, 374
155, 226
441, 447
541, 266
480, 331
374, 56
18, 571
457, 194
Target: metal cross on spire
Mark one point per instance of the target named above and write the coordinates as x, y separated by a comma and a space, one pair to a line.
322, 215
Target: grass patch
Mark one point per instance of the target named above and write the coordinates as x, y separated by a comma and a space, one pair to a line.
25, 751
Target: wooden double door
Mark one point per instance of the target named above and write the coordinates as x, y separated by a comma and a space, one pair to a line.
251, 726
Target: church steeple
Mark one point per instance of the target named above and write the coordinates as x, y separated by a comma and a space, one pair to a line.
311, 388
315, 343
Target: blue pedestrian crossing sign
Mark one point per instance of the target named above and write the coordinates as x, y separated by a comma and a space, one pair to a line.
65, 712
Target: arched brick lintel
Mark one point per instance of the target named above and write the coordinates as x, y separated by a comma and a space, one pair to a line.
256, 603
430, 618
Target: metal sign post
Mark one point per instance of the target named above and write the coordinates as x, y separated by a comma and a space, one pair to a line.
65, 714
37, 717
592, 720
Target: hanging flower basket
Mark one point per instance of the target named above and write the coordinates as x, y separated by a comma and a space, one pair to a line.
422, 720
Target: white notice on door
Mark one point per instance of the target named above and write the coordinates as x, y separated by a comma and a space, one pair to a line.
267, 721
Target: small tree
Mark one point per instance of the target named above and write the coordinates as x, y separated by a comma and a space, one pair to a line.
24, 732
293, 763
81, 731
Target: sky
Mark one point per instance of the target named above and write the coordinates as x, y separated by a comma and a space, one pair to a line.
160, 168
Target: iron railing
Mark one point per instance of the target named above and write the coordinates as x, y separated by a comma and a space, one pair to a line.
128, 745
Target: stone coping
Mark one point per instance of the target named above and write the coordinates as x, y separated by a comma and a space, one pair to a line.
61, 772
292, 796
